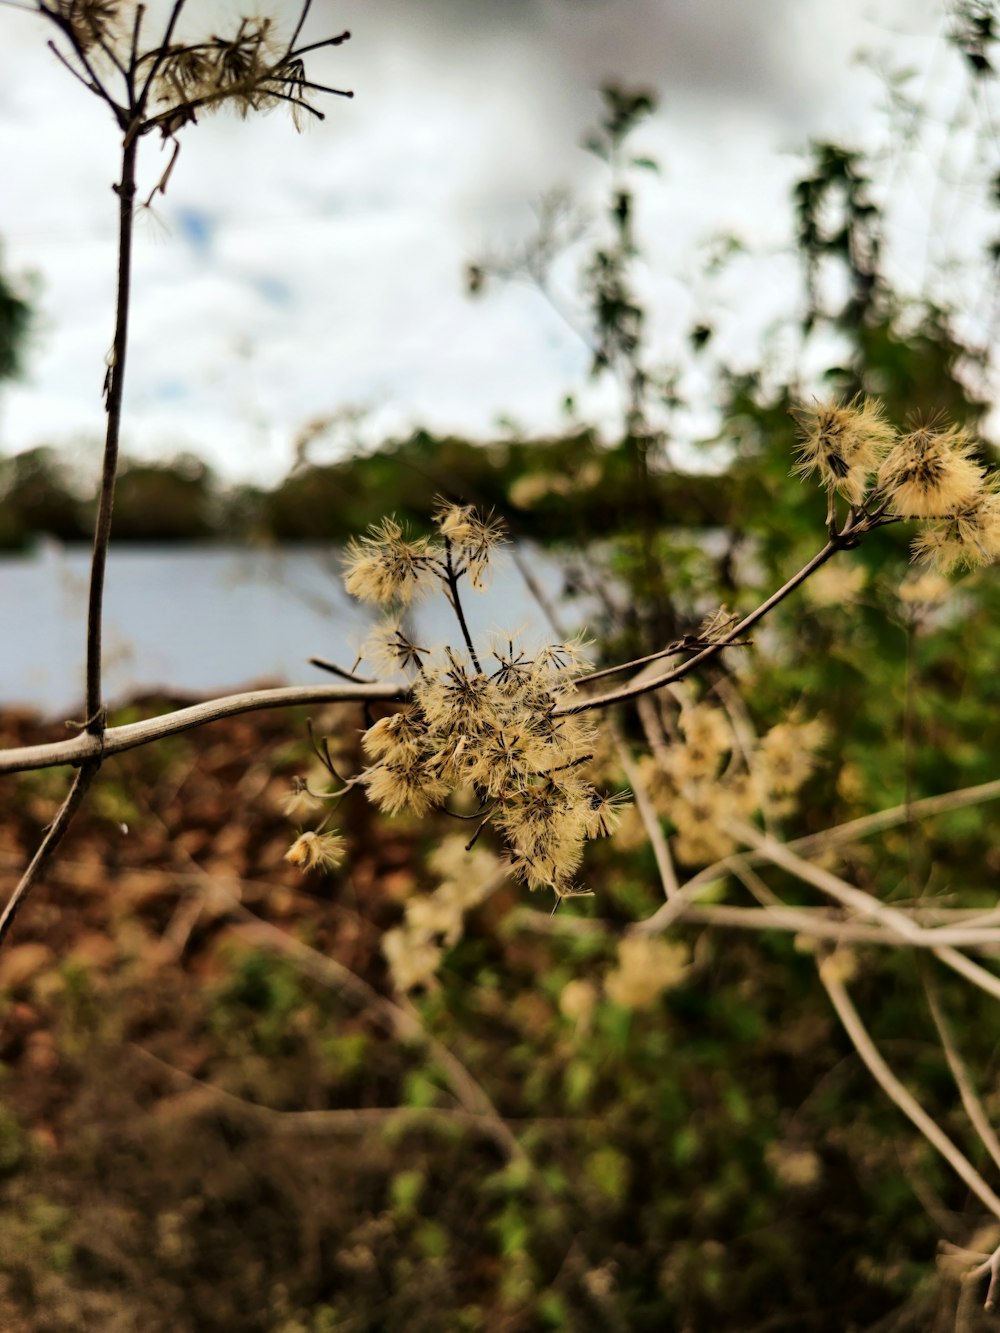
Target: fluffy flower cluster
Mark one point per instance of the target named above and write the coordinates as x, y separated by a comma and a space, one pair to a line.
926, 473
389, 568
435, 921
705, 780
93, 23
843, 443
317, 851
492, 733
487, 731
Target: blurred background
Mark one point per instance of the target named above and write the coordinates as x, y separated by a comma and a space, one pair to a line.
572, 260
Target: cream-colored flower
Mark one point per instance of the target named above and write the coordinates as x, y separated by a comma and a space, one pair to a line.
647, 966
924, 589
930, 473
794, 1167
835, 584
786, 754
317, 851
413, 959
844, 443
966, 540
386, 567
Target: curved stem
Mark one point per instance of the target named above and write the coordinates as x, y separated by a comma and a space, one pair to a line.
115, 739
904, 1099
644, 686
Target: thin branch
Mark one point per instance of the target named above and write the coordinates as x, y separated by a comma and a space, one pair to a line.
974, 1108
339, 40
160, 54
848, 895
866, 825
401, 1020
896, 1091
979, 976
991, 1266
649, 817
685, 645
53, 837
862, 827
939, 939
342, 1120
91, 88
535, 588
456, 603
115, 739
821, 923
342, 672
644, 684
95, 85
653, 730
115, 388
306, 6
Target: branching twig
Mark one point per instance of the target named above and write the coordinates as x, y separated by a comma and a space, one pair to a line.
650, 819
342, 1120
646, 682
894, 1089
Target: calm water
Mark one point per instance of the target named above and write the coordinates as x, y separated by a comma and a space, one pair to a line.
208, 619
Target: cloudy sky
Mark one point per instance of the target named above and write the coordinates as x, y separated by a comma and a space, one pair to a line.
287, 276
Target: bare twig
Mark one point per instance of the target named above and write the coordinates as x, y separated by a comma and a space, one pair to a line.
53, 837
650, 819
645, 682
974, 1108
400, 1020
115, 386
133, 734
895, 1090
455, 599
325, 665
342, 1120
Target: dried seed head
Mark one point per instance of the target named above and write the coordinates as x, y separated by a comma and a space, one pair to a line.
930, 473
408, 785
475, 539
967, 540
843, 443
317, 851
92, 23
386, 567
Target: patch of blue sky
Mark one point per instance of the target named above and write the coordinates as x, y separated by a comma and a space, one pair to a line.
197, 228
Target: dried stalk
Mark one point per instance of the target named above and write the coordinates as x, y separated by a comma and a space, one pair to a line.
81, 748
894, 1089
53, 837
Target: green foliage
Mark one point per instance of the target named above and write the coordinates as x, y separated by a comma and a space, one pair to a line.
176, 502
15, 324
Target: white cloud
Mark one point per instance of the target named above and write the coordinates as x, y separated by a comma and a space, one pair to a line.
464, 112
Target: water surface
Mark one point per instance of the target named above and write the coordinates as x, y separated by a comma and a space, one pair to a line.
209, 619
